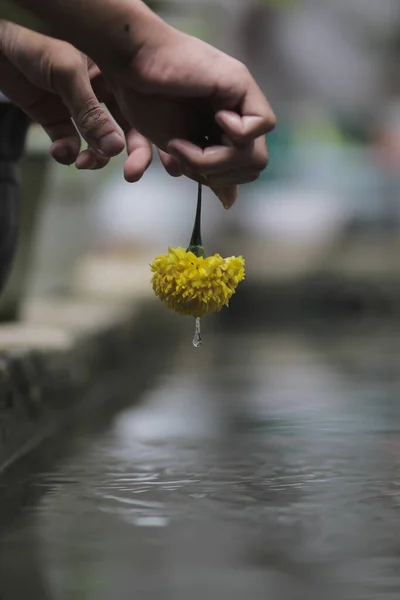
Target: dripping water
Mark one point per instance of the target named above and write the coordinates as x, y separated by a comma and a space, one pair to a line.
197, 341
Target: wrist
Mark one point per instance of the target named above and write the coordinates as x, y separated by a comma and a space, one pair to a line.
134, 29
109, 31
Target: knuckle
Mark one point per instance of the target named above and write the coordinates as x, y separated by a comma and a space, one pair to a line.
66, 68
234, 81
48, 71
90, 116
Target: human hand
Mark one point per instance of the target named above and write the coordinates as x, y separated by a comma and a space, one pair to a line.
179, 92
52, 82
184, 95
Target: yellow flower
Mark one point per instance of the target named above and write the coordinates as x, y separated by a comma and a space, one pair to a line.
192, 285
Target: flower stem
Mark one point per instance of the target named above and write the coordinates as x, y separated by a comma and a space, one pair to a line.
196, 243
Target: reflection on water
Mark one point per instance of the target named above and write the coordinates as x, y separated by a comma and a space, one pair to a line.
262, 466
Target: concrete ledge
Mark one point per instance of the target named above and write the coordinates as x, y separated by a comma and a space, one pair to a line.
51, 361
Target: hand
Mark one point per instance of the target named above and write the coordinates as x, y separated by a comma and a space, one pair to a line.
183, 95
179, 92
51, 81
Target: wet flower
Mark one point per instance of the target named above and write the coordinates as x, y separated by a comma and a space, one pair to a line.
194, 285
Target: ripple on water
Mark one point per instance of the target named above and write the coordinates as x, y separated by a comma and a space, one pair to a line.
309, 500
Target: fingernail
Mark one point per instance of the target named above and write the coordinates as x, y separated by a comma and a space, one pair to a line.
111, 144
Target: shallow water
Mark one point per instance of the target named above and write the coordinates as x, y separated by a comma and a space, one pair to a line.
264, 465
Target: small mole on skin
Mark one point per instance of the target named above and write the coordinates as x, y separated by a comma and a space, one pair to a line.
127, 27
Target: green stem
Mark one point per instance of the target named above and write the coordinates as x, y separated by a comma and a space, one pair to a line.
196, 243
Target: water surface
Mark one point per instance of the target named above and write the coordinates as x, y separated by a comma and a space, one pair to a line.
264, 465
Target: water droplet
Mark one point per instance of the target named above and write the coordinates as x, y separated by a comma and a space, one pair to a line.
197, 341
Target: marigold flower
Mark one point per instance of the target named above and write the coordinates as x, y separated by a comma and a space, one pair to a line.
194, 285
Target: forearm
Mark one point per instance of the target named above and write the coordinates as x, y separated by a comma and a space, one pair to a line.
108, 30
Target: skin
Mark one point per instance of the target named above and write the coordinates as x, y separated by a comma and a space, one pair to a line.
201, 108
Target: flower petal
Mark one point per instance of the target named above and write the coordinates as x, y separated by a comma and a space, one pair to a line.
192, 285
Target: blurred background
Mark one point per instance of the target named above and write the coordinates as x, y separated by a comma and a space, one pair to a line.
324, 217
265, 464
